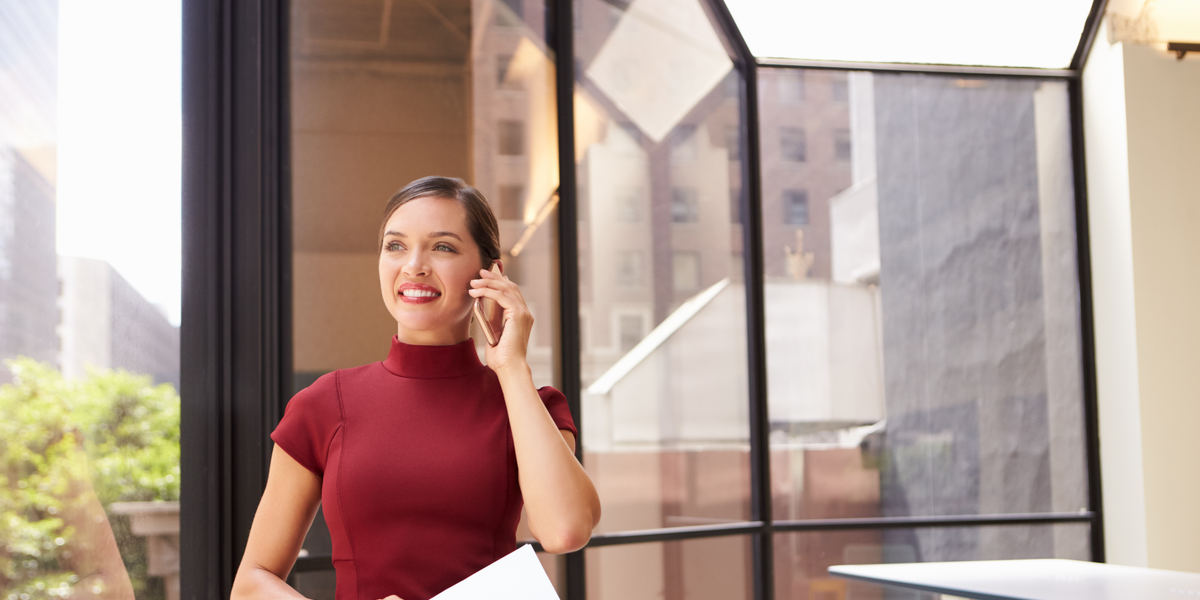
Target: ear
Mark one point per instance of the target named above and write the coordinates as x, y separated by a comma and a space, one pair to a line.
498, 264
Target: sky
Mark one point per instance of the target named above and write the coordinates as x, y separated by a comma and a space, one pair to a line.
119, 140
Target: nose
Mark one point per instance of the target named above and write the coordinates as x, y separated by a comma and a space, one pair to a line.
415, 265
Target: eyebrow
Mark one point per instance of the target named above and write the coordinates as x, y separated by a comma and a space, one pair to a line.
435, 234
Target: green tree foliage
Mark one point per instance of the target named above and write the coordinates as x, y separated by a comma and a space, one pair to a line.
112, 427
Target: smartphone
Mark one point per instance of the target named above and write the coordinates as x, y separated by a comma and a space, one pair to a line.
490, 315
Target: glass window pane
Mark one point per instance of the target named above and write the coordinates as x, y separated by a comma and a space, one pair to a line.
89, 299
709, 568
359, 133
385, 93
924, 347
802, 558
664, 360
926, 31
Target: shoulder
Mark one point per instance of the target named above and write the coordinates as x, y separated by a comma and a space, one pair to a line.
331, 386
556, 405
551, 395
321, 392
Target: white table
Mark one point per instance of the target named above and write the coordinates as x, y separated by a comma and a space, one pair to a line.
1044, 579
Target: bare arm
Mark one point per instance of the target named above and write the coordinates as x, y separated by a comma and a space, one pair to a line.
559, 496
284, 515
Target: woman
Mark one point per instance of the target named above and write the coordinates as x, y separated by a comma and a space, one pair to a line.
422, 461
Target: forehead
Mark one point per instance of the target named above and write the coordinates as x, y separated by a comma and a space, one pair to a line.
426, 214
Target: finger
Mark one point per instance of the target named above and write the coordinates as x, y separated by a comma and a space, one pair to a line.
497, 284
500, 296
487, 274
513, 307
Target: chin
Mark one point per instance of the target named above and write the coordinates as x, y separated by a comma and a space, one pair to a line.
427, 323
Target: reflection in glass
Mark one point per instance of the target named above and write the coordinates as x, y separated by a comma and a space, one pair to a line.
701, 569
802, 558
397, 91
384, 93
89, 358
664, 369
923, 357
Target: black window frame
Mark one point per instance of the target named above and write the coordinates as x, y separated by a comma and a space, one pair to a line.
236, 313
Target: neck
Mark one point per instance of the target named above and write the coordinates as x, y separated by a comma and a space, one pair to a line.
447, 336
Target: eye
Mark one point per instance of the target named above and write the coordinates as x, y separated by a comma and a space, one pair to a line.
443, 247
393, 246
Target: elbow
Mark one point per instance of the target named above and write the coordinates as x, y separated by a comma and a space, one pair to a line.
568, 540
570, 536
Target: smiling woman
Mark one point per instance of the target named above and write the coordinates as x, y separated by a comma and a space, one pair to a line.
423, 461
429, 234
483, 111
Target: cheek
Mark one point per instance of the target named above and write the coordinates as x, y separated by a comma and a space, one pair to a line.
387, 276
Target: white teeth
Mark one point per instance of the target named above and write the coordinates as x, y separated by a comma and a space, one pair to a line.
418, 294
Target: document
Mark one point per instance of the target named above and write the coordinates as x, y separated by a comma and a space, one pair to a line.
518, 576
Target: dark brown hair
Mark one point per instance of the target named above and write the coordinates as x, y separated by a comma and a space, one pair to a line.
481, 222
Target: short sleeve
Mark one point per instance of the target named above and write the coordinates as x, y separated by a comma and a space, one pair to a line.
310, 421
556, 405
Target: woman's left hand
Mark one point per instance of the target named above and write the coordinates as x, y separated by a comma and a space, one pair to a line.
510, 352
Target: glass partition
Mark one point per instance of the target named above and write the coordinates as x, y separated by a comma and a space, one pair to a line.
924, 354
658, 114
89, 300
700, 569
384, 93
802, 558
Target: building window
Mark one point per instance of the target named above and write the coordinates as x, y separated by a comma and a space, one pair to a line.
685, 205
841, 89
683, 143
630, 331
510, 202
629, 205
503, 62
841, 144
790, 85
793, 144
733, 141
735, 205
685, 270
629, 268
795, 207
516, 6
511, 136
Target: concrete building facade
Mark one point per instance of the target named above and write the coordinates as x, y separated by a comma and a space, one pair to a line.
107, 324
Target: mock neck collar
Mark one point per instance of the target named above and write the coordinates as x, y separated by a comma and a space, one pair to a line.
432, 362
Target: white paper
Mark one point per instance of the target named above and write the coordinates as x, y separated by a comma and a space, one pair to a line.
518, 576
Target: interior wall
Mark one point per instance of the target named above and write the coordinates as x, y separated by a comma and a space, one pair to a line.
359, 134
1163, 124
1141, 124
1111, 236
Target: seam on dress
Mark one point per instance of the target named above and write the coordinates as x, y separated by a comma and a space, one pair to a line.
337, 378
508, 477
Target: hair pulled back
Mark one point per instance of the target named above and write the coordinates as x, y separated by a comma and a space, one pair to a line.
481, 222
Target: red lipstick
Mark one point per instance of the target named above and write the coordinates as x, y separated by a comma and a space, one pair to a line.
417, 293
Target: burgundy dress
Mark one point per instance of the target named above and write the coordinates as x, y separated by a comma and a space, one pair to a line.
419, 475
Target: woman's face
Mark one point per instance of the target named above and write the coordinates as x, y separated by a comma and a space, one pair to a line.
426, 265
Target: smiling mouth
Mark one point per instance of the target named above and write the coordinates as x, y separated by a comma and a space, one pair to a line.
419, 294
